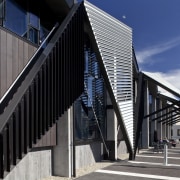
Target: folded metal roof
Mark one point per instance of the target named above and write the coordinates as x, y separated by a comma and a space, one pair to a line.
162, 83
167, 94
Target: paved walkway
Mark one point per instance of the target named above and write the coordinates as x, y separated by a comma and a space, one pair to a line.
148, 165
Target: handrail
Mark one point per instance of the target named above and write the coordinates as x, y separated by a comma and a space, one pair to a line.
9, 93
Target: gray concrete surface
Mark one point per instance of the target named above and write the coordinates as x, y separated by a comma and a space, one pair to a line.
63, 152
89, 169
35, 165
88, 155
148, 165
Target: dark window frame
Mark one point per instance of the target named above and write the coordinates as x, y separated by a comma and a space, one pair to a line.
2, 11
178, 132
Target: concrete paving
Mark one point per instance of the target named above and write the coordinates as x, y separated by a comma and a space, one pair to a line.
147, 165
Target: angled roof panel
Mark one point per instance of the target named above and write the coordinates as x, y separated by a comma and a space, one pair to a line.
162, 83
167, 94
114, 42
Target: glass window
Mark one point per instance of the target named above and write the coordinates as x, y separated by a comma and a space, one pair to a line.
43, 33
34, 20
16, 18
178, 132
21, 22
90, 107
33, 35
1, 9
150, 99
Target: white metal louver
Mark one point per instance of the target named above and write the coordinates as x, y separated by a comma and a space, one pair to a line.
114, 41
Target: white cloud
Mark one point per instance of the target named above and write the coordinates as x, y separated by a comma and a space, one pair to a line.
145, 55
173, 77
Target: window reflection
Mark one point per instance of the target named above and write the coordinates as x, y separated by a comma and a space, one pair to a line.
34, 20
33, 35
21, 22
91, 100
16, 18
43, 33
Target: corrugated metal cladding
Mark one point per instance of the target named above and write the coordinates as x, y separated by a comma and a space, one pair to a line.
114, 40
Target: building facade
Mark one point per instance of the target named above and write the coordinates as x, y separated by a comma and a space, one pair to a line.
71, 91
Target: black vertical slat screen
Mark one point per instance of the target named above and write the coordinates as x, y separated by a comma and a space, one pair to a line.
52, 90
22, 125
66, 59
1, 156
26, 120
48, 93
40, 104
35, 110
12, 140
57, 74
31, 112
19, 130
11, 143
6, 148
16, 116
55, 117
53, 102
62, 73
44, 99
61, 97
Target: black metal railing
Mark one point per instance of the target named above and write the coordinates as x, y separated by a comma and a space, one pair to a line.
44, 93
17, 82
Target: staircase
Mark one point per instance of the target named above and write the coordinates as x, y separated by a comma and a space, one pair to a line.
46, 88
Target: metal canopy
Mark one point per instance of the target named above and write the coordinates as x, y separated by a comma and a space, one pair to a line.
162, 83
169, 114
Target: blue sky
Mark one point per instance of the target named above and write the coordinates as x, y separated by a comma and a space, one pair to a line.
156, 33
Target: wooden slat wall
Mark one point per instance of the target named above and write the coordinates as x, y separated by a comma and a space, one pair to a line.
14, 55
49, 139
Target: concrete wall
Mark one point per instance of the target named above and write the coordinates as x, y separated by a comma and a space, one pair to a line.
121, 148
175, 129
63, 152
87, 155
34, 166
